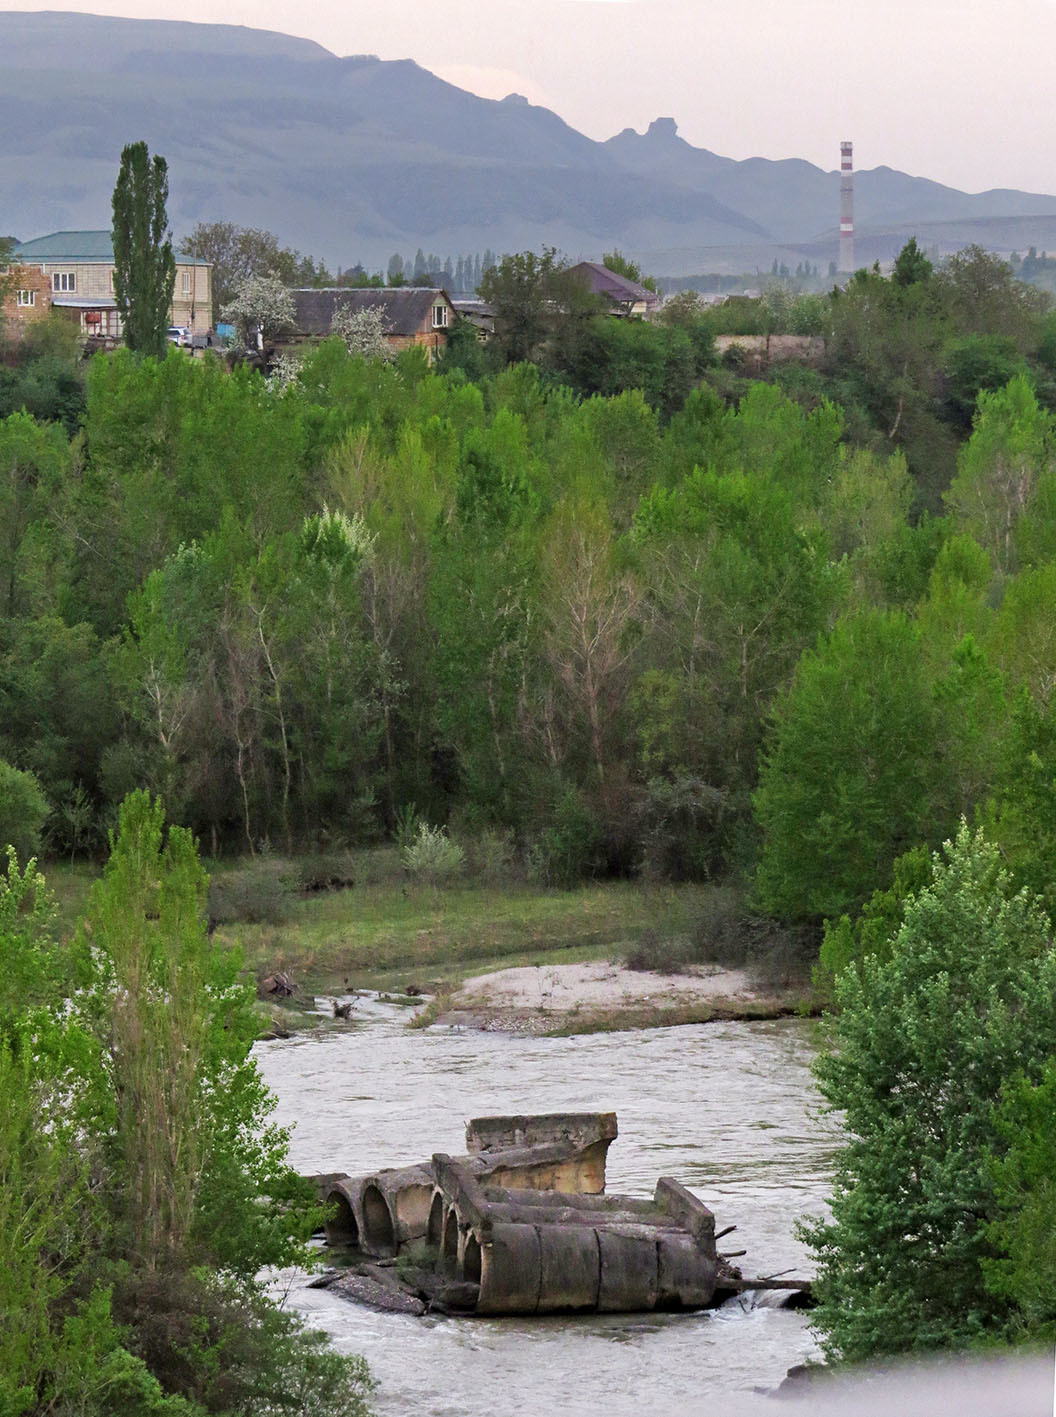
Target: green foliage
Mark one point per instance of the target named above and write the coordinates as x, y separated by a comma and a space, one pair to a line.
568, 851
922, 1045
144, 266
431, 856
23, 808
834, 806
1025, 1185
133, 1227
847, 942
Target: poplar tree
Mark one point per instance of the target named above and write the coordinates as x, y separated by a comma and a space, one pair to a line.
144, 265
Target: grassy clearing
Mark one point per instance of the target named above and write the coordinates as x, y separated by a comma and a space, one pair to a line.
385, 933
387, 937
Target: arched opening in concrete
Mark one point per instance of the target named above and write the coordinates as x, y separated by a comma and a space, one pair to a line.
449, 1247
342, 1227
379, 1234
471, 1259
434, 1233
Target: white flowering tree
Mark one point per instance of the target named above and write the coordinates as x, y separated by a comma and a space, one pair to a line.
363, 331
261, 310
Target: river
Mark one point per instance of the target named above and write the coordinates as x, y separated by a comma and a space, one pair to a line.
729, 1109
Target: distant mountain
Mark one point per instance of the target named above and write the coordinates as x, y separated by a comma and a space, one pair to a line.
352, 159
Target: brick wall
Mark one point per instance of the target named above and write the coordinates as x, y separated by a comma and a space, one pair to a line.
18, 317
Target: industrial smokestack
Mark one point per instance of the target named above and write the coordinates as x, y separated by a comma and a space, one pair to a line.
847, 208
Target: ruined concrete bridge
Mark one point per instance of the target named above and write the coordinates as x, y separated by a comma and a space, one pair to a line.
521, 1224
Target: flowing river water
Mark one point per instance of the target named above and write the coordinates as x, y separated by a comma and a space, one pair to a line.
729, 1109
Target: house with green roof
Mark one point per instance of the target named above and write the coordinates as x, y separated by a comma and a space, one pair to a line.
78, 279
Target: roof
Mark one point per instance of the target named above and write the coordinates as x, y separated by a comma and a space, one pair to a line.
81, 246
406, 308
602, 281
85, 302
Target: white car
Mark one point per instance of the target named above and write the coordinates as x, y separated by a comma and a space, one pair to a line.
178, 334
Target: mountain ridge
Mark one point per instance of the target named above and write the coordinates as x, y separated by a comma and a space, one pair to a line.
353, 157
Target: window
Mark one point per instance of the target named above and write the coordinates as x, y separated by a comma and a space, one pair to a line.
64, 280
440, 313
186, 283
27, 297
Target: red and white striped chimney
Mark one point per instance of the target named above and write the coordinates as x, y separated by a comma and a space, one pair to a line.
847, 208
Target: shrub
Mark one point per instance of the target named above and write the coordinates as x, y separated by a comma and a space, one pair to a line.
569, 850
432, 856
491, 856
326, 871
23, 808
258, 893
653, 955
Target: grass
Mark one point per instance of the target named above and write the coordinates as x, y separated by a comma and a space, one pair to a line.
386, 934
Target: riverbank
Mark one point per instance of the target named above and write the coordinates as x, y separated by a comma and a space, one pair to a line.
504, 955
604, 996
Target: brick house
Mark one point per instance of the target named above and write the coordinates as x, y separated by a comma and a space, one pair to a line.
414, 315
27, 298
75, 275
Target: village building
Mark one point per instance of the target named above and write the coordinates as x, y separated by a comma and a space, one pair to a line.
73, 272
624, 297
412, 315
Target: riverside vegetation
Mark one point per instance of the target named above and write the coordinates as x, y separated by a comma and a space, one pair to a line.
780, 634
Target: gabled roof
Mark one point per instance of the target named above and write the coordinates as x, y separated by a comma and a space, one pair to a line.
79, 246
602, 281
405, 308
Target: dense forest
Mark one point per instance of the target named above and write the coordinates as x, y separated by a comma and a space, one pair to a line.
644, 613
648, 613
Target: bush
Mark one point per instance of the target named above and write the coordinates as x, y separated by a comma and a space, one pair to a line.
432, 856
653, 955
491, 856
570, 849
258, 893
23, 808
326, 871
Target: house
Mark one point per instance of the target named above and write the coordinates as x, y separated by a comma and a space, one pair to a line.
625, 297
73, 272
413, 315
477, 313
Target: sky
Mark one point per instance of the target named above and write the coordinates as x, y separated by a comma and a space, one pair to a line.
955, 90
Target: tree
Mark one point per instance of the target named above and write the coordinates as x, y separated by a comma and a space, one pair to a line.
363, 331
835, 804
531, 296
923, 1044
144, 266
261, 309
620, 265
23, 810
1025, 1182
912, 267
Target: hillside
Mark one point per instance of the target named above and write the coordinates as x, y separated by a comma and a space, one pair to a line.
353, 158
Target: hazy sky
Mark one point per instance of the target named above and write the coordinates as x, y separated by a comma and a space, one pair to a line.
956, 90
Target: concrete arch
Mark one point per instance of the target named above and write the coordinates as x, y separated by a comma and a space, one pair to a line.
471, 1259
434, 1230
342, 1227
449, 1242
378, 1230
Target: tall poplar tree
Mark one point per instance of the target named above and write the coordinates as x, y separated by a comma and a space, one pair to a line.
144, 266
